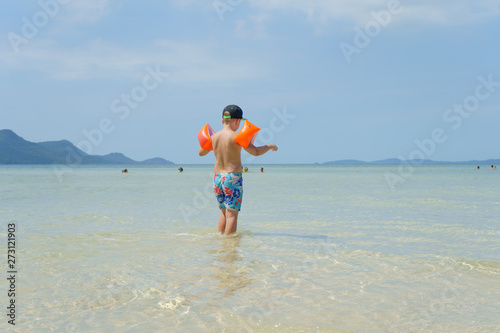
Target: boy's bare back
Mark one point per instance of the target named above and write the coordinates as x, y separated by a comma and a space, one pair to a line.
227, 152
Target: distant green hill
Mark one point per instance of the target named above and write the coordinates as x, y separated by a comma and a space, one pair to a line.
16, 150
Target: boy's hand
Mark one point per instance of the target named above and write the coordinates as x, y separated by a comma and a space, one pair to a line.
273, 146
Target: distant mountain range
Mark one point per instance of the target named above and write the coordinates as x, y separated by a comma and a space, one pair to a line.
397, 161
16, 150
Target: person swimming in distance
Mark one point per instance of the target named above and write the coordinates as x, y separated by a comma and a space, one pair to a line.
180, 169
262, 170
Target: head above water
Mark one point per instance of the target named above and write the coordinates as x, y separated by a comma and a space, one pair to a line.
232, 116
232, 112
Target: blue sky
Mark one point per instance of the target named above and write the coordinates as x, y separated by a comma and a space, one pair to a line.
325, 80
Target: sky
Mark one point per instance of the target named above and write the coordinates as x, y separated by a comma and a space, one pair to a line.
325, 80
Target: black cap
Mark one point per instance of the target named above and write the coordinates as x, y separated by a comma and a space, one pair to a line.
235, 112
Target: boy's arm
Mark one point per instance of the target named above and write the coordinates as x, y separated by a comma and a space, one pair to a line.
257, 151
203, 152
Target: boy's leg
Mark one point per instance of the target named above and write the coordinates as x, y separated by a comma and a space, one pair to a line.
231, 221
222, 222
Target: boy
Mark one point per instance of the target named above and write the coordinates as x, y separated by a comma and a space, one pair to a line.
228, 181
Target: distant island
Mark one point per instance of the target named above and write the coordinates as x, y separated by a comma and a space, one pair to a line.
16, 150
397, 161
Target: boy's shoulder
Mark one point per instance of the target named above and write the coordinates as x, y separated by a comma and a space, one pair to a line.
225, 132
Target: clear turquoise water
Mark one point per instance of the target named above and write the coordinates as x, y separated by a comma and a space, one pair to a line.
319, 249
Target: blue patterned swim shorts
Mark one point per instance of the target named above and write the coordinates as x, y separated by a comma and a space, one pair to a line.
228, 188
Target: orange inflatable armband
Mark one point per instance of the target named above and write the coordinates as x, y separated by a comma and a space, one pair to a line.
247, 134
204, 137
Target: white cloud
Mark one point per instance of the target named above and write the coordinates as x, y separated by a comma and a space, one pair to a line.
320, 13
443, 12
186, 4
85, 11
186, 61
254, 27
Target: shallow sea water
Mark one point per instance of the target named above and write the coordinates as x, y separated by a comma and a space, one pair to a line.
318, 249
